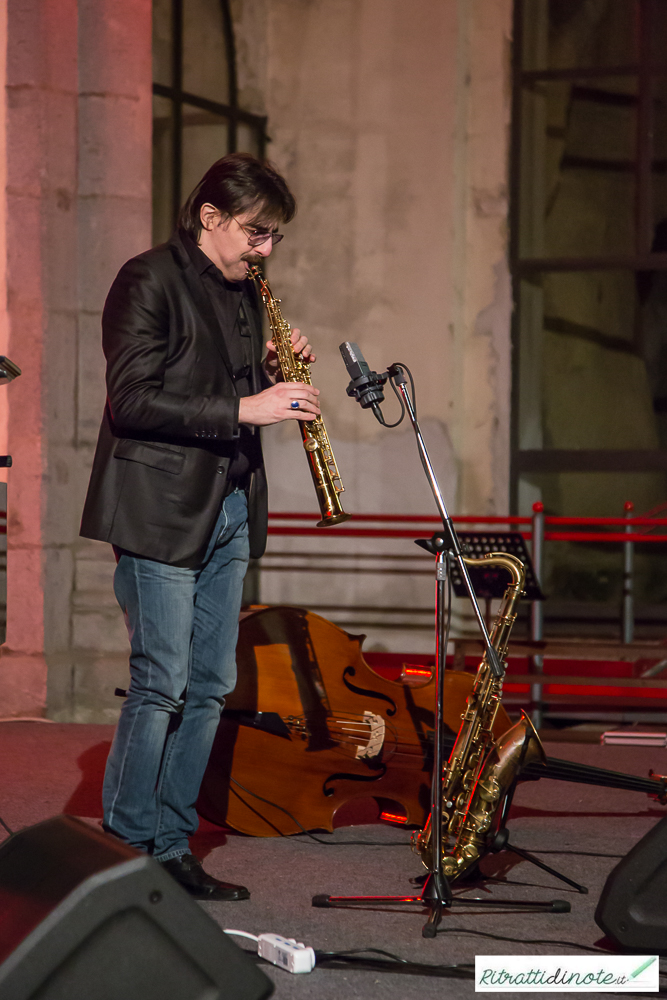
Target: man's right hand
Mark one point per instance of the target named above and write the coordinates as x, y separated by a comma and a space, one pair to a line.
275, 404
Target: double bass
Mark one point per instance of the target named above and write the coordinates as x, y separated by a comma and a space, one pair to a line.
311, 726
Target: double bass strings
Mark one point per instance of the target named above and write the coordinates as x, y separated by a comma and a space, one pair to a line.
340, 728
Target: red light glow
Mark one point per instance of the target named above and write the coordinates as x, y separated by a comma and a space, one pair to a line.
410, 670
388, 817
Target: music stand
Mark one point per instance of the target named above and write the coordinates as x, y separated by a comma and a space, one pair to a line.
8, 372
491, 581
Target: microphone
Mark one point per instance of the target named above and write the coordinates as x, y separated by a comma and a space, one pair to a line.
365, 385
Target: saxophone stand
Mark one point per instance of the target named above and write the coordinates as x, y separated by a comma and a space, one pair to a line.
501, 842
436, 894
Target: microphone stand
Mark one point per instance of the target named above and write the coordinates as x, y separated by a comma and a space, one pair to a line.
436, 894
397, 376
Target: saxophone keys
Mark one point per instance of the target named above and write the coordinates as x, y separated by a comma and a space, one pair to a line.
489, 790
311, 444
483, 824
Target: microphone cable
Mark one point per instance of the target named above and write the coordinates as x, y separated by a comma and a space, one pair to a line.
413, 394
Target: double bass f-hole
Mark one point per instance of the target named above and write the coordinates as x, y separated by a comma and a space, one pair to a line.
351, 672
380, 769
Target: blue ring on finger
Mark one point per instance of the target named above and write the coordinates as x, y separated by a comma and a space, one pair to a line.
295, 404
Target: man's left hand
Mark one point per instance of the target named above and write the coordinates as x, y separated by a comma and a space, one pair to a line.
300, 346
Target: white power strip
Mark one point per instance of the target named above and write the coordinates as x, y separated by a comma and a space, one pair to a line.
286, 953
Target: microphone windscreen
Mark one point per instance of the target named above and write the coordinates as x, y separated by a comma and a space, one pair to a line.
354, 360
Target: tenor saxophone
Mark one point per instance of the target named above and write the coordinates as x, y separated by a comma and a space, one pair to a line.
481, 770
321, 461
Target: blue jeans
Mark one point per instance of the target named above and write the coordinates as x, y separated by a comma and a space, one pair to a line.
183, 627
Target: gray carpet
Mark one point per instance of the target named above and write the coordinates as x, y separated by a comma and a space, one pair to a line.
49, 769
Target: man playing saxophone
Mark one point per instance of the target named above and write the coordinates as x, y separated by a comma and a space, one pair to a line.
178, 489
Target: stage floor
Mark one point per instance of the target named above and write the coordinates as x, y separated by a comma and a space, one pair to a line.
55, 768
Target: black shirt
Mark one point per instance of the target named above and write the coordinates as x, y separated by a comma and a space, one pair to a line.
231, 305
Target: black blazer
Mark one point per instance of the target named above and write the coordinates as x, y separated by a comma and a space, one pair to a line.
171, 417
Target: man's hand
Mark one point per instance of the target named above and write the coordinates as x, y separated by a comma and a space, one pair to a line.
300, 346
275, 404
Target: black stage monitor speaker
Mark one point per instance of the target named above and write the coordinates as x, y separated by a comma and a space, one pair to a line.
84, 917
632, 910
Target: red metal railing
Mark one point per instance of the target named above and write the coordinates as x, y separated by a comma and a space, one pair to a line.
537, 530
357, 529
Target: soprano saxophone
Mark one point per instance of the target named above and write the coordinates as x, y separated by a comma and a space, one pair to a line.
480, 772
321, 461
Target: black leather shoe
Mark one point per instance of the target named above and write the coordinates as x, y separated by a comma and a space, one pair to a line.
188, 871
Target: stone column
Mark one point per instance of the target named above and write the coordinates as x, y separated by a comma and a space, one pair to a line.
114, 224
41, 131
482, 301
78, 84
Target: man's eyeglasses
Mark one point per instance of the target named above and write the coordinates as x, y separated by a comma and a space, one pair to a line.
259, 236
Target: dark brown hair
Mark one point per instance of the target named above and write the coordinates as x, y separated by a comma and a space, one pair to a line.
236, 184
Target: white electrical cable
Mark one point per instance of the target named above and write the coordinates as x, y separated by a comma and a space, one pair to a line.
252, 937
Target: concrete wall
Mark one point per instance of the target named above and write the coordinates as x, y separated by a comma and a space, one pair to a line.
390, 121
77, 204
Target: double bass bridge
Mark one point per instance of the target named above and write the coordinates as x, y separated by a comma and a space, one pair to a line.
375, 742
